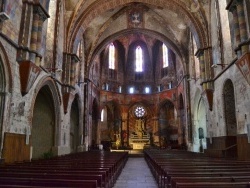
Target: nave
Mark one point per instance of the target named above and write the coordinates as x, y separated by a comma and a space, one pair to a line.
136, 174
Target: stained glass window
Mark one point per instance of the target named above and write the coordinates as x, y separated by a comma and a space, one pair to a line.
138, 59
111, 56
165, 55
140, 111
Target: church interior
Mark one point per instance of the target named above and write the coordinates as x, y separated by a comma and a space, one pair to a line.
124, 75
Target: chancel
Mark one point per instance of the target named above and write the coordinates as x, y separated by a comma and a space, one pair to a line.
118, 88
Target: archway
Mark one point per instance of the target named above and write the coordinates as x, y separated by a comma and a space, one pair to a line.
110, 126
95, 118
168, 126
182, 120
199, 123
139, 128
74, 126
229, 108
106, 129
2, 98
43, 124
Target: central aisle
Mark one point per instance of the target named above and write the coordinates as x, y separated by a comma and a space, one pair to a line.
136, 174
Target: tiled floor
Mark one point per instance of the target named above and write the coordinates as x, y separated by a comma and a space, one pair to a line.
136, 174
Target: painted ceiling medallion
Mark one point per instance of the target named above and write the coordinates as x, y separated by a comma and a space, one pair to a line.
135, 17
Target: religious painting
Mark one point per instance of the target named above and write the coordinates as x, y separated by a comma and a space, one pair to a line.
135, 17
244, 65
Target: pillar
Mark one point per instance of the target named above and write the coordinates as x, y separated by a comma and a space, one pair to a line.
236, 30
39, 39
242, 27
34, 31
202, 67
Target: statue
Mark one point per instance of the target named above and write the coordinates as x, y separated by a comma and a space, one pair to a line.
140, 128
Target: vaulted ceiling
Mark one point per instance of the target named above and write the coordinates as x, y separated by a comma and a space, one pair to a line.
170, 21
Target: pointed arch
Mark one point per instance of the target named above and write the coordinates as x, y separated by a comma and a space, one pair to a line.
48, 88
199, 122
5, 88
75, 133
43, 123
168, 125
229, 108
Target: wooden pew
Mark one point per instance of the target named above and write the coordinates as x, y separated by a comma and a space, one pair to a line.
47, 182
175, 180
214, 185
105, 174
172, 168
103, 168
37, 175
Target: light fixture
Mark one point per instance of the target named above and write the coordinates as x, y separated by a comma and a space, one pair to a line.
216, 65
51, 69
192, 78
84, 83
4, 16
54, 69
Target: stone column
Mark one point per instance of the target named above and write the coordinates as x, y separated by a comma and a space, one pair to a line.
208, 70
72, 73
39, 39
33, 40
236, 29
66, 69
202, 67
242, 27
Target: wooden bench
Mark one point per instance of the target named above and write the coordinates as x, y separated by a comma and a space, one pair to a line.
38, 175
48, 182
86, 169
214, 185
224, 179
106, 180
176, 168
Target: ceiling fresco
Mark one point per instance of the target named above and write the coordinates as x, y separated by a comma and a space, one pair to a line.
102, 21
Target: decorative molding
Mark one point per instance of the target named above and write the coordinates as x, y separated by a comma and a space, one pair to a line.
66, 99
28, 74
38, 8
208, 94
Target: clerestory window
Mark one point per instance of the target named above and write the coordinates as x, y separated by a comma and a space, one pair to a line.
112, 56
165, 56
138, 60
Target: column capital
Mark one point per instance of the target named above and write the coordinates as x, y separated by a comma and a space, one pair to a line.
38, 9
200, 51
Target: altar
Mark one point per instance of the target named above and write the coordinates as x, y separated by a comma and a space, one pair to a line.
138, 142
139, 137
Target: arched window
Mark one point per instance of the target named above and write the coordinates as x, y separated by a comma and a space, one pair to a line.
111, 56
165, 55
131, 90
79, 49
138, 59
102, 115
196, 66
147, 90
